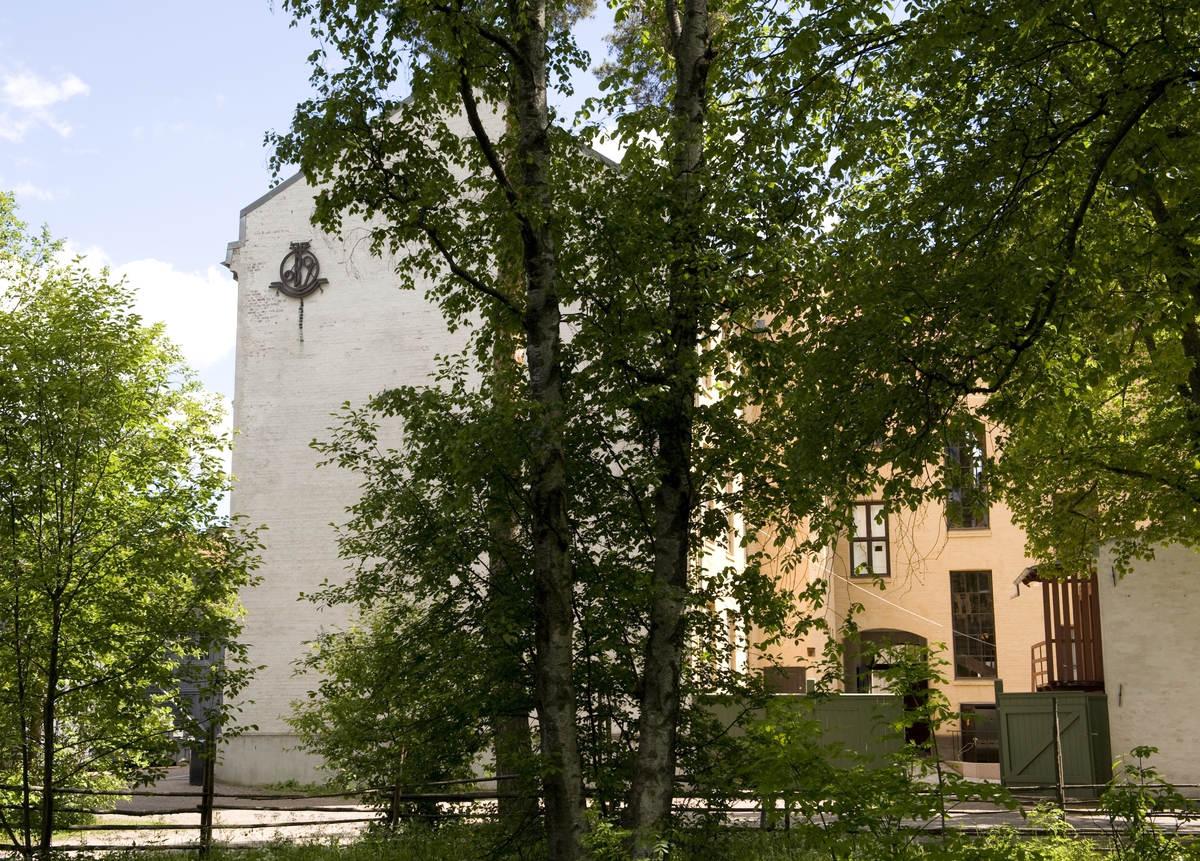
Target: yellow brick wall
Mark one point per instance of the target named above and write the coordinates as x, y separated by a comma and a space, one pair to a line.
916, 597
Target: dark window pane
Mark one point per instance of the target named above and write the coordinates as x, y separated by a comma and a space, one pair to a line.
980, 733
974, 621
869, 552
966, 498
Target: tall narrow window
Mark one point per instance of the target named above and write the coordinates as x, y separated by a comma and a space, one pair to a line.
721, 539
869, 544
966, 499
731, 624
974, 620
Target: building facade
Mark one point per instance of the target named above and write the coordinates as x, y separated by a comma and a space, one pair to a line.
943, 576
321, 323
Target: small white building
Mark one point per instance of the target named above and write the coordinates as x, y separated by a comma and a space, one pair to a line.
1151, 622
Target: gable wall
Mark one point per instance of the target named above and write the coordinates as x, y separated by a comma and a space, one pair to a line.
361, 335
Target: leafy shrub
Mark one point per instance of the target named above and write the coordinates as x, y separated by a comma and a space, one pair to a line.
1134, 797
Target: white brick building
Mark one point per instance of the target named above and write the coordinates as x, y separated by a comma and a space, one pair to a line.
298, 361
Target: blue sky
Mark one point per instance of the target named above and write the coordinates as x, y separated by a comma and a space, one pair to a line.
135, 131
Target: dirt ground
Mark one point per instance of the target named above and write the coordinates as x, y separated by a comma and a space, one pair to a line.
169, 816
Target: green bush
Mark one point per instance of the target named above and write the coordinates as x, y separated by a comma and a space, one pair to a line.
1134, 796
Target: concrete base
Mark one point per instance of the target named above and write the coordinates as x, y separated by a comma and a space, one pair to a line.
978, 770
256, 759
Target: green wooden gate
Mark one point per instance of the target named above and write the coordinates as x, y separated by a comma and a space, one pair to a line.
862, 724
1027, 756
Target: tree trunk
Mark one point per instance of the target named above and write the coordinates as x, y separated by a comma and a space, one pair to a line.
49, 735
554, 620
512, 742
27, 731
651, 793
553, 575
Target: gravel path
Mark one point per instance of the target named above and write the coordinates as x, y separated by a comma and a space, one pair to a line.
170, 817
156, 819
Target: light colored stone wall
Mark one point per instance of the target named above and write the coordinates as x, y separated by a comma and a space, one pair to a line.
1150, 621
362, 334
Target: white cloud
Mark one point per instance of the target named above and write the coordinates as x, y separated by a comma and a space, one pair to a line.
198, 308
27, 90
26, 101
28, 189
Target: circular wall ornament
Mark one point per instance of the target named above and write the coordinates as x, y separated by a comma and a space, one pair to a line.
299, 272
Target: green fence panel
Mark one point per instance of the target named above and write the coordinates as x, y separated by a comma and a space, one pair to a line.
860, 723
1027, 738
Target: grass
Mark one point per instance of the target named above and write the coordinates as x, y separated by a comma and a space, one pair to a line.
480, 843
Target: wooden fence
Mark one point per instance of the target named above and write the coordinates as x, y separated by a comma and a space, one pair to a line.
750, 812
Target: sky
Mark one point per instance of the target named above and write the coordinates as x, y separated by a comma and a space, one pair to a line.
135, 131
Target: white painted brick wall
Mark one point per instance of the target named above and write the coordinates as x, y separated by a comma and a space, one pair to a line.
362, 334
1150, 624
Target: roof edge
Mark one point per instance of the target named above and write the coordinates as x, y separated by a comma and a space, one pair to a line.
287, 183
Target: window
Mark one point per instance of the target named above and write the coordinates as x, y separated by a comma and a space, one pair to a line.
731, 624
974, 621
966, 498
980, 733
721, 539
785, 680
869, 542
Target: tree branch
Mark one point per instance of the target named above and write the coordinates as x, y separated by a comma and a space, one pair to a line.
466, 276
497, 39
481, 136
1189, 491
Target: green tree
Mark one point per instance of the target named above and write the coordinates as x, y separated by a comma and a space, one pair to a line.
422, 532
389, 709
117, 570
1013, 231
407, 163
422, 542
666, 269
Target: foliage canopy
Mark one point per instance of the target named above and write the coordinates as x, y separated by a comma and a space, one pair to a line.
119, 578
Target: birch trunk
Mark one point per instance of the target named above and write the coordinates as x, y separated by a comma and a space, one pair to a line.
562, 769
651, 793
49, 736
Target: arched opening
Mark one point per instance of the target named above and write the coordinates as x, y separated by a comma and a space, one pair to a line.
867, 662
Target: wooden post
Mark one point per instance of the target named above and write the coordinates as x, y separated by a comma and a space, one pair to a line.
207, 790
393, 816
1058, 760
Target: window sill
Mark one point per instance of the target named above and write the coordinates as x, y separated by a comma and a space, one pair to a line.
976, 531
974, 681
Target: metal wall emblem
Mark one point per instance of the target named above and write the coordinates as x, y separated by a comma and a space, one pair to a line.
299, 272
